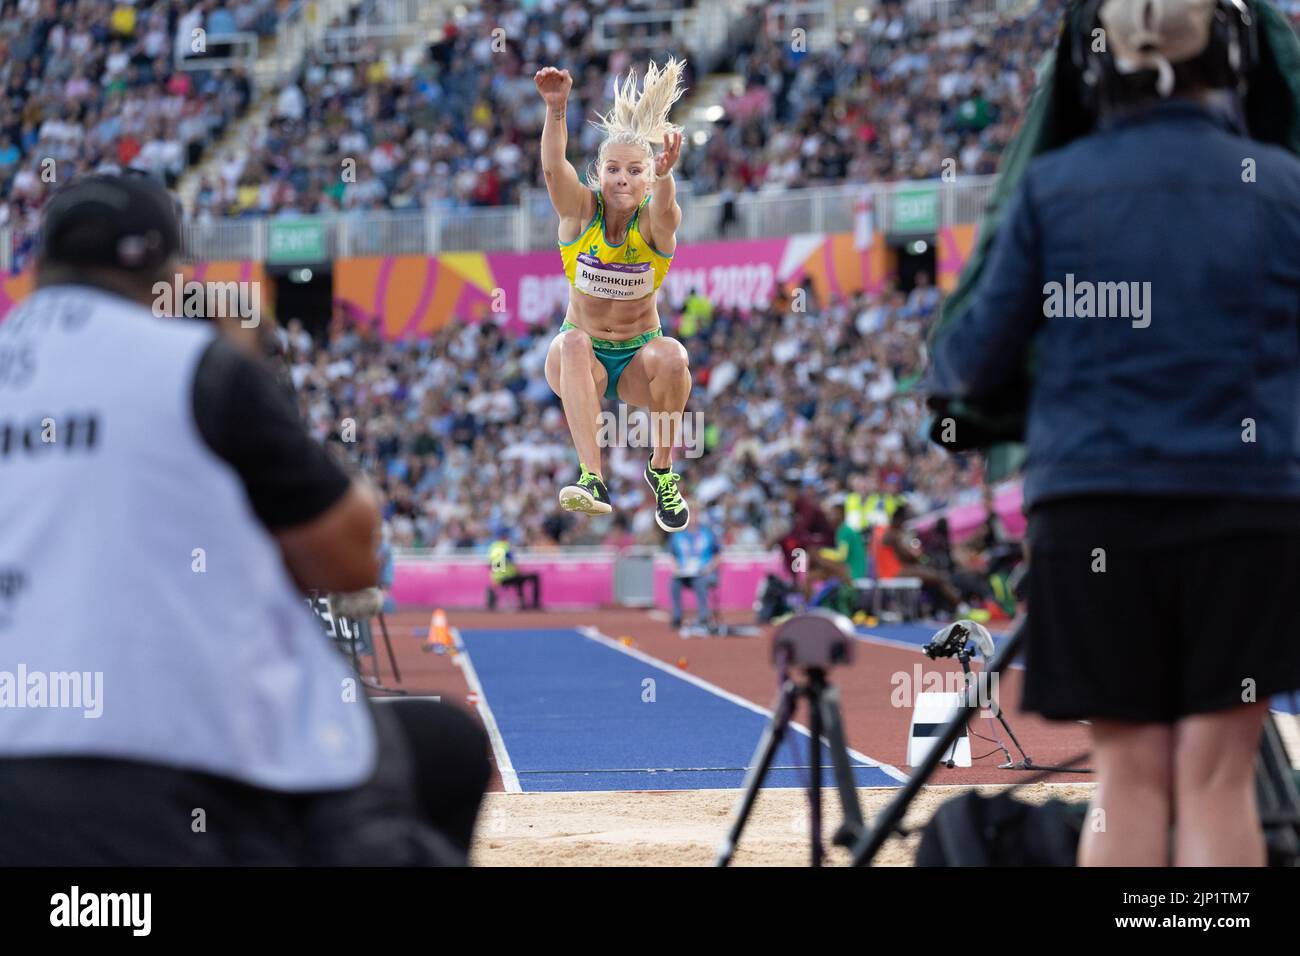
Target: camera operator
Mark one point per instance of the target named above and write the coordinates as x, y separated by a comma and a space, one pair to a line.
1163, 473
163, 505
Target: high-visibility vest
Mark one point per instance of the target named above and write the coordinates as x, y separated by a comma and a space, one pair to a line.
117, 381
689, 324
701, 310
499, 557
855, 511
877, 502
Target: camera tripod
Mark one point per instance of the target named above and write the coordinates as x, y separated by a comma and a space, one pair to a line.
1026, 762
814, 641
956, 640
1276, 790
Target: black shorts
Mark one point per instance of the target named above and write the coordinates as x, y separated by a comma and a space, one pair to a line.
1191, 614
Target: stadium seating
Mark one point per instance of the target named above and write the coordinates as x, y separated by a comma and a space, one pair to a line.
467, 418
468, 443
455, 125
94, 86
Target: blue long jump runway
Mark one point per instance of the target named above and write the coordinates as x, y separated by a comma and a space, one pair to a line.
915, 635
572, 715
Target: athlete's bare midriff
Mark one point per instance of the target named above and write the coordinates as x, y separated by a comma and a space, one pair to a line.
611, 319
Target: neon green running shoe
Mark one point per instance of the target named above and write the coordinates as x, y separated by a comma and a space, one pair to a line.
671, 512
588, 494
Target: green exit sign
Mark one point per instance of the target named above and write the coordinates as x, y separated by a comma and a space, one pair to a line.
916, 210
296, 240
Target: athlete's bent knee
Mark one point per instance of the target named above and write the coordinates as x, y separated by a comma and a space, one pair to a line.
575, 346
668, 357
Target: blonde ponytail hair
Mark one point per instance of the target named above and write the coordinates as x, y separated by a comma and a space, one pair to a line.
641, 120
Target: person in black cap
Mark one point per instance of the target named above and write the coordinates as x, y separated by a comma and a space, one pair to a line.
171, 699
119, 233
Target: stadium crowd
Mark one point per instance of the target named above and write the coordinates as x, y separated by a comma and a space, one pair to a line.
457, 123
469, 444
94, 86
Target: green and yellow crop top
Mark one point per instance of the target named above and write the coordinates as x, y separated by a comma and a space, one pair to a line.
630, 270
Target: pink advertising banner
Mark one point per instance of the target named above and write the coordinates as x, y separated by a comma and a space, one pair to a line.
412, 296
742, 274
1008, 502
565, 583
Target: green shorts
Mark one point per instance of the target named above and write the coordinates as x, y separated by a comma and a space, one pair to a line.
615, 355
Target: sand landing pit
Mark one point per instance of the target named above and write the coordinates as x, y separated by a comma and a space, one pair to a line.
685, 827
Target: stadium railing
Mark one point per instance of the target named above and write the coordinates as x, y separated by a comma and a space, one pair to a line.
819, 19
243, 51
975, 10
388, 24
531, 224
701, 28
300, 28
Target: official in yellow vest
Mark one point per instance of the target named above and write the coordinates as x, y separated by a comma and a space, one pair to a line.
855, 511
506, 574
879, 508
697, 315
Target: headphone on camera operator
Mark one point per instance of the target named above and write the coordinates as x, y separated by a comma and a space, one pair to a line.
1105, 78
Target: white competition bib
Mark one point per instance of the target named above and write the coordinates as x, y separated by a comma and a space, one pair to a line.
613, 280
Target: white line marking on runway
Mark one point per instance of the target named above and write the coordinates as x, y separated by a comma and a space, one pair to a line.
509, 779
593, 634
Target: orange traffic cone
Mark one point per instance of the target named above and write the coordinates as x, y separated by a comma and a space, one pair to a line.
439, 638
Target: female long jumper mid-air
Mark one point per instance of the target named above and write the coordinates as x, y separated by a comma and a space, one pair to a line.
617, 243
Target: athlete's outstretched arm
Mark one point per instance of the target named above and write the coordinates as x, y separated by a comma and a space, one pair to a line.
665, 214
568, 195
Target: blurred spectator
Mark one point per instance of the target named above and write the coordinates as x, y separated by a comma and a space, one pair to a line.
696, 557
697, 315
506, 574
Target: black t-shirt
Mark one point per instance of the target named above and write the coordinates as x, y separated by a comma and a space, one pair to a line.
251, 422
